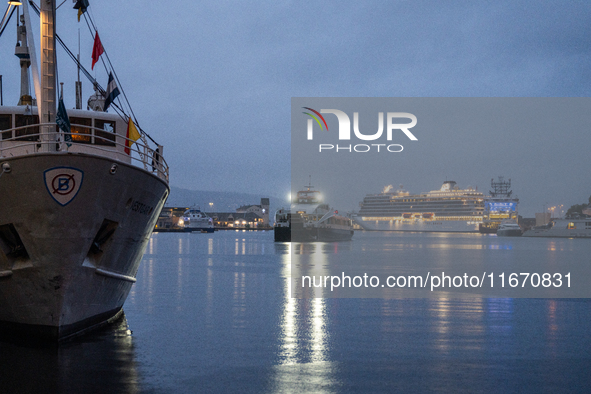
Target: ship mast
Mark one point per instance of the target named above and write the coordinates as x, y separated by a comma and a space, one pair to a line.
47, 107
32, 53
501, 188
22, 52
78, 83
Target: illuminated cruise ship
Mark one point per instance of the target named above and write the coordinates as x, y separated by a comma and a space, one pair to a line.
449, 209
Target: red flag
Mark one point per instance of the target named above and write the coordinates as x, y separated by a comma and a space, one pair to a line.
97, 50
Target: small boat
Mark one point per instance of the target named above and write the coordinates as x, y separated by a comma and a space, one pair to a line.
197, 221
509, 228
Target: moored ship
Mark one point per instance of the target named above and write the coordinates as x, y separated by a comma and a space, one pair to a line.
449, 209
282, 226
196, 220
80, 193
310, 220
501, 205
509, 228
574, 227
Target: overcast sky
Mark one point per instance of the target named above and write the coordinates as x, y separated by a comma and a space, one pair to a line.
212, 81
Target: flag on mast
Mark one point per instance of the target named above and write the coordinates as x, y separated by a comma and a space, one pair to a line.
81, 6
63, 122
132, 135
112, 92
97, 50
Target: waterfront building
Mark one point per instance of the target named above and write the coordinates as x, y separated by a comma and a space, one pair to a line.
261, 210
246, 216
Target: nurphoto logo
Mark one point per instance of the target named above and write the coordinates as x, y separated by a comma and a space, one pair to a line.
392, 125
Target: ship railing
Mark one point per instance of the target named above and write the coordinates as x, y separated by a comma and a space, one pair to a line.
19, 141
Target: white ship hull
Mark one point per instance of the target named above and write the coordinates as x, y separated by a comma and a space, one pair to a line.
418, 225
509, 232
200, 225
62, 283
509, 228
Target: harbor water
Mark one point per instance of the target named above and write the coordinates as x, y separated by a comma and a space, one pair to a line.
213, 313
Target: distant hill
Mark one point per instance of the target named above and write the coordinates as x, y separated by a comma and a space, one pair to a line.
222, 201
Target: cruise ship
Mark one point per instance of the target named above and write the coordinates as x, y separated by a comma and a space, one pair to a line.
449, 209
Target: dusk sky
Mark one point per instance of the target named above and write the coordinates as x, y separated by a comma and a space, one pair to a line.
213, 81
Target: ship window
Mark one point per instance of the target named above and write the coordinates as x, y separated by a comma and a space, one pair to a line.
106, 137
5, 124
79, 133
572, 226
27, 133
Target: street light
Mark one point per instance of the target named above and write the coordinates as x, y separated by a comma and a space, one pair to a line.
210, 207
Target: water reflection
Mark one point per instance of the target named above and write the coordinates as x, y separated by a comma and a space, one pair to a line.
220, 317
179, 279
288, 339
303, 347
320, 247
302, 324
447, 326
553, 325
247, 332
100, 362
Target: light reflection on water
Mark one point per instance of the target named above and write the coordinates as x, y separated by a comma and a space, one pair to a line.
482, 258
247, 324
213, 313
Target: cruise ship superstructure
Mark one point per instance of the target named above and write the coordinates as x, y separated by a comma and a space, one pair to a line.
449, 209
500, 206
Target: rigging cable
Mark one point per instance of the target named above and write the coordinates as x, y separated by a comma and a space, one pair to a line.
89, 22
4, 19
118, 108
